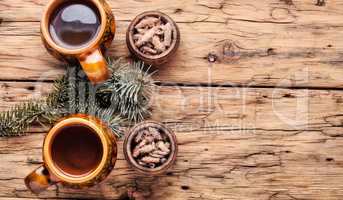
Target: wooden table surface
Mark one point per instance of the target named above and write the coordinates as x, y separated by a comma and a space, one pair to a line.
255, 95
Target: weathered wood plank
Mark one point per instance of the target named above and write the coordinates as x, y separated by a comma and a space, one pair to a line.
234, 143
222, 108
217, 11
258, 62
211, 165
250, 49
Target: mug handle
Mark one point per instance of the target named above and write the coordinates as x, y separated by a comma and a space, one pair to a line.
95, 66
39, 180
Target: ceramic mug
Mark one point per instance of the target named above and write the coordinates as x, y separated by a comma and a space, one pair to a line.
90, 56
79, 151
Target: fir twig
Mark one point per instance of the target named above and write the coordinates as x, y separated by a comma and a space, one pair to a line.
125, 96
128, 91
17, 120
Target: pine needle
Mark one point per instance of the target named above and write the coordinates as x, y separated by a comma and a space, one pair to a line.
125, 96
17, 120
129, 91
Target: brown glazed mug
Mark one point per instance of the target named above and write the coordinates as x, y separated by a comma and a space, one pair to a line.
90, 55
79, 151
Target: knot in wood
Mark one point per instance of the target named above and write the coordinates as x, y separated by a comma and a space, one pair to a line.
212, 57
230, 51
282, 15
320, 3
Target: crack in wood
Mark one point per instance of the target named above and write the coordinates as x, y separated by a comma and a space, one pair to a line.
288, 2
214, 4
281, 195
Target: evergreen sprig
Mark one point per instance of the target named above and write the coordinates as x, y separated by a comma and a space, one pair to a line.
16, 121
124, 97
128, 91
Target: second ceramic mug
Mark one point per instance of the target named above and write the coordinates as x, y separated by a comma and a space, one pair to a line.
90, 55
79, 151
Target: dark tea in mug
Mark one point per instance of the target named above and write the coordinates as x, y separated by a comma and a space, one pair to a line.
74, 24
77, 150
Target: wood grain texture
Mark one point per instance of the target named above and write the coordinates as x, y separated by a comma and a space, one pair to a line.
221, 108
270, 138
245, 143
251, 43
225, 165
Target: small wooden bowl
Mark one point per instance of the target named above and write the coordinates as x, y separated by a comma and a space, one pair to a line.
129, 140
153, 59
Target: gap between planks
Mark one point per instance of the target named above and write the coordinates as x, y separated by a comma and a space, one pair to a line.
192, 85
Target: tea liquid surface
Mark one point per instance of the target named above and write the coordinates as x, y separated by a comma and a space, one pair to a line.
74, 24
76, 150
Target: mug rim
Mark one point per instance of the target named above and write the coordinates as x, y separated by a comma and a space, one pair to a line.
49, 162
50, 8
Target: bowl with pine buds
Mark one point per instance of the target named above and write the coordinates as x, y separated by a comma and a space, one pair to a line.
150, 148
153, 37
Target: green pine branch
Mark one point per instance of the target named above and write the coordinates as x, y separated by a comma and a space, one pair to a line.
124, 97
128, 91
17, 120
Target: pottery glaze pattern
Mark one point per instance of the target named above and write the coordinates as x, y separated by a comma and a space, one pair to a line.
98, 47
48, 174
110, 29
